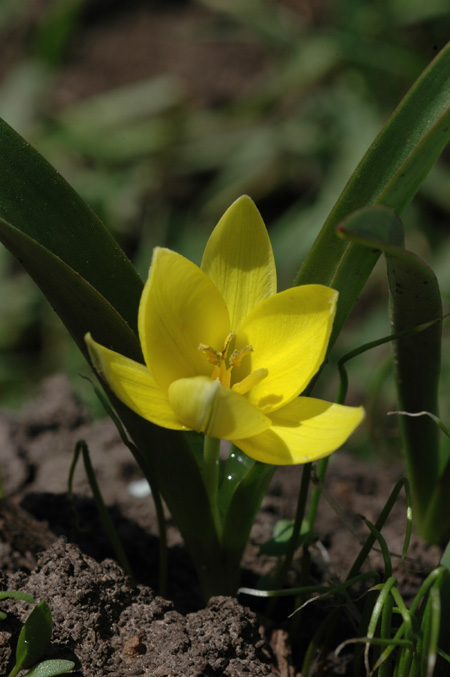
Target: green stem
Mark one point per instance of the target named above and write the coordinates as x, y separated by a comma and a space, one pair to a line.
295, 538
323, 463
305, 577
315, 497
299, 516
211, 455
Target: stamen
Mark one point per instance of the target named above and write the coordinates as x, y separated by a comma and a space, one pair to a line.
213, 356
222, 374
249, 381
216, 357
222, 365
227, 344
238, 355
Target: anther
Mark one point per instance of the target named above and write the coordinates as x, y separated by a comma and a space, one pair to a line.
213, 356
238, 355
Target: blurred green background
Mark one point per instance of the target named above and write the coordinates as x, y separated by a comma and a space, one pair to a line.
160, 114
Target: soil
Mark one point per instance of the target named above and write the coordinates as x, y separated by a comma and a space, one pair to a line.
57, 551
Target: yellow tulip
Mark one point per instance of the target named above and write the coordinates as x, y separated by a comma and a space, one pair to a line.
226, 355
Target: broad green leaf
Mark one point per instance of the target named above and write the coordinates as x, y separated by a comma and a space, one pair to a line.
171, 460
36, 200
444, 639
436, 521
168, 456
232, 470
389, 174
93, 287
414, 300
51, 668
34, 637
242, 510
79, 305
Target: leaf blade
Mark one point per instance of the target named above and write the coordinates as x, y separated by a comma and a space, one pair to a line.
35, 636
390, 173
51, 668
36, 200
415, 300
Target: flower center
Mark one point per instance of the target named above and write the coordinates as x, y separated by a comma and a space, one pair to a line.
223, 365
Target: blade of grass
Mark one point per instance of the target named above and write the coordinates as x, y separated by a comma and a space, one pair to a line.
383, 546
108, 524
157, 500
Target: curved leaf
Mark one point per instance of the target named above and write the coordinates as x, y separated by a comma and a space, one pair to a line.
17, 594
414, 300
80, 306
164, 456
390, 173
51, 668
93, 287
36, 200
34, 637
241, 510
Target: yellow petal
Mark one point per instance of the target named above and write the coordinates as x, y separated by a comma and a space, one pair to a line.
289, 334
208, 407
239, 259
304, 430
133, 385
180, 309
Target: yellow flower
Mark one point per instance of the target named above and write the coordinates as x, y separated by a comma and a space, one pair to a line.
226, 355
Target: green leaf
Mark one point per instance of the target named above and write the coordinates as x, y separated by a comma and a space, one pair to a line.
280, 542
390, 174
16, 594
436, 522
34, 637
36, 200
78, 303
281, 535
51, 668
83, 308
241, 511
415, 300
180, 481
232, 470
55, 29
93, 287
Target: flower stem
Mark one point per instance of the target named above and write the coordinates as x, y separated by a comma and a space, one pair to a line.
211, 451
